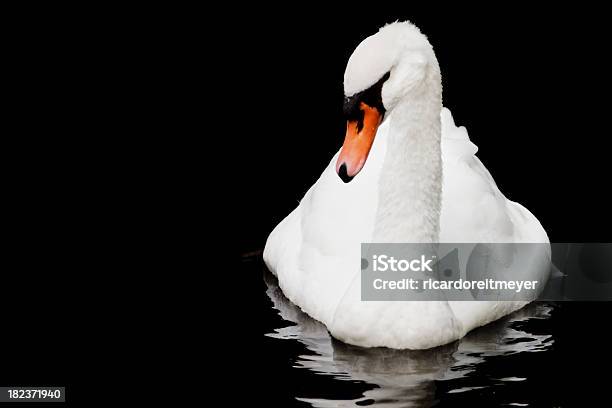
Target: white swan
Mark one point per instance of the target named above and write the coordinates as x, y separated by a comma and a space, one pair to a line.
421, 182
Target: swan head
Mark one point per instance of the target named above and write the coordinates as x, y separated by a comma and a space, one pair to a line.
385, 69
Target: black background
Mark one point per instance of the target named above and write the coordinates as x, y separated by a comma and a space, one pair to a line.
110, 115
531, 87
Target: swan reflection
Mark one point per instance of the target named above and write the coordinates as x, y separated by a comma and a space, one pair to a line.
402, 377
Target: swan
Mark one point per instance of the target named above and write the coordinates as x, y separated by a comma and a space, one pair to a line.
405, 173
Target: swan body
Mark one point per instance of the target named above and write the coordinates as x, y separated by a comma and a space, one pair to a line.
421, 183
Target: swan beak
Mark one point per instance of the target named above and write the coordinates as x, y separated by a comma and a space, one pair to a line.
357, 142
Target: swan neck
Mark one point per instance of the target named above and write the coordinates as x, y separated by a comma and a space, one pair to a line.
410, 185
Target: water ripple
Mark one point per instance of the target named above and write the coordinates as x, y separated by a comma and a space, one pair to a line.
405, 377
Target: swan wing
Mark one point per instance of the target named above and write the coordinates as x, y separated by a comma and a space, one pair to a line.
473, 207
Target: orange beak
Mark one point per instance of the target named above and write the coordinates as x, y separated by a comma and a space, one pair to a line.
357, 143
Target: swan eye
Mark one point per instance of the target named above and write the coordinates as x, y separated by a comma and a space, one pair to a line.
370, 96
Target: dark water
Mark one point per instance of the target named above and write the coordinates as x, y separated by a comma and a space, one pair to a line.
515, 361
